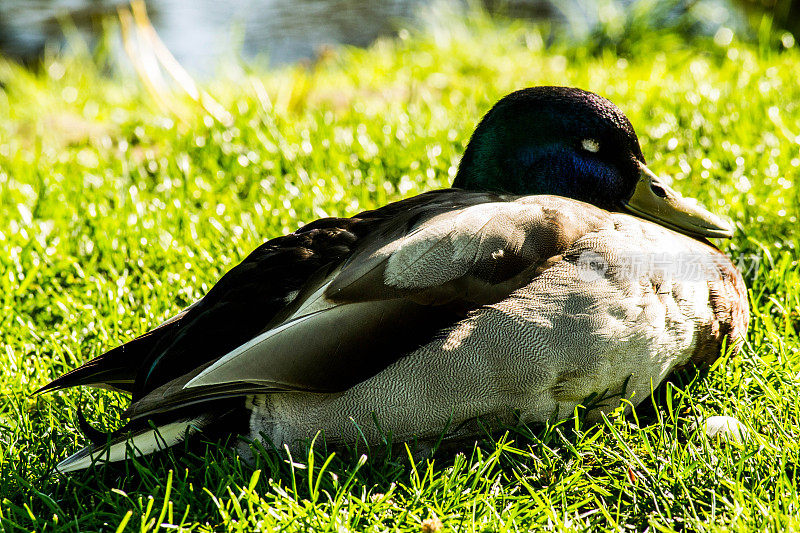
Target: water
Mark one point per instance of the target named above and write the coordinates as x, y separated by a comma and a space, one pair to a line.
203, 33
284, 30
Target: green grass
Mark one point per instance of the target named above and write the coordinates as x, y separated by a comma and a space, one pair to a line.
116, 214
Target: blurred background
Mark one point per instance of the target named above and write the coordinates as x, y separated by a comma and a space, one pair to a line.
205, 34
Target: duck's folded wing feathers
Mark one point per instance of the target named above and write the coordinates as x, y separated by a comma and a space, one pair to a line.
389, 297
248, 300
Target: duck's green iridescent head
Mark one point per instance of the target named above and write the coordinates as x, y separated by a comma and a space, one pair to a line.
570, 142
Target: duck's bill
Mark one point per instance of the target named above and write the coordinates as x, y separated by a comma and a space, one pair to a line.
655, 200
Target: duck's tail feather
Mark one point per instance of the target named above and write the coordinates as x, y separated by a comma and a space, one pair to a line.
98, 438
110, 370
144, 436
128, 442
117, 369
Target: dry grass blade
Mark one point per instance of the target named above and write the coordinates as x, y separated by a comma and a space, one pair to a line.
149, 56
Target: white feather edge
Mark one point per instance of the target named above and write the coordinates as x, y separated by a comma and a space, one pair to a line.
144, 443
313, 304
206, 377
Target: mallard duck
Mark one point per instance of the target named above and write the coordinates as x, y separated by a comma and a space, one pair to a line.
558, 268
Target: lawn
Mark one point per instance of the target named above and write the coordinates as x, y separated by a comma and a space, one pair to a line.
120, 206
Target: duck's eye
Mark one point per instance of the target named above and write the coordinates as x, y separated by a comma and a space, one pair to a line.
658, 190
590, 145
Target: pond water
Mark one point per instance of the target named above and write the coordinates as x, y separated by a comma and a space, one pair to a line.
202, 32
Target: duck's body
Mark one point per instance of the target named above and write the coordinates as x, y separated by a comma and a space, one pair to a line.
426, 315
589, 317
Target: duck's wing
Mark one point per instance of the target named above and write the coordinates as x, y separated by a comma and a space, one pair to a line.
407, 280
239, 306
